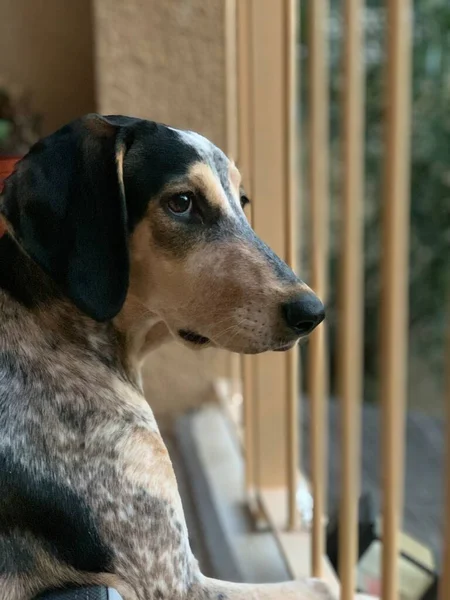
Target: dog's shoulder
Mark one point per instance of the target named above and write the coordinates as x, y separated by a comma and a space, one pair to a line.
37, 505
65, 409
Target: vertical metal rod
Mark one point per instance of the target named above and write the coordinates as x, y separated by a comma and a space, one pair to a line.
231, 78
292, 367
350, 339
444, 591
394, 300
231, 123
244, 159
318, 202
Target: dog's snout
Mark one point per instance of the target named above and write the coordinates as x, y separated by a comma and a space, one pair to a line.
304, 313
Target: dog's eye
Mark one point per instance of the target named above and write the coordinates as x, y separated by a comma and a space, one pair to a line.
244, 201
180, 204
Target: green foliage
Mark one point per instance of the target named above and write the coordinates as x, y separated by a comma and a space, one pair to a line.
430, 182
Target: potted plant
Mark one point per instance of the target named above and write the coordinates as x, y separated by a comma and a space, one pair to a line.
19, 129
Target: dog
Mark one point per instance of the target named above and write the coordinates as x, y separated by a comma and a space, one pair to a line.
119, 234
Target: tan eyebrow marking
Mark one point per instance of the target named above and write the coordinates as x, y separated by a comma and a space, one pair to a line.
201, 176
235, 179
119, 160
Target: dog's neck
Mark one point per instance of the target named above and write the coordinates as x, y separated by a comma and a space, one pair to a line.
142, 329
130, 336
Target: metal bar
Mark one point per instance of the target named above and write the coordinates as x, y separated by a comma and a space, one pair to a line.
291, 226
244, 159
444, 591
394, 300
318, 202
231, 123
351, 292
245, 96
231, 78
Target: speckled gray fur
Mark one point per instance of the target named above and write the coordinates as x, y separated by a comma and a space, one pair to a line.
87, 490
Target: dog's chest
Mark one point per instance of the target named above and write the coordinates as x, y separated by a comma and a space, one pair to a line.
138, 510
86, 473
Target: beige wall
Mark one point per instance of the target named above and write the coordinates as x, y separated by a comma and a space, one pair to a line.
164, 60
46, 48
159, 59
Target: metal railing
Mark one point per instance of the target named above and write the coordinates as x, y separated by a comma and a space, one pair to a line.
262, 79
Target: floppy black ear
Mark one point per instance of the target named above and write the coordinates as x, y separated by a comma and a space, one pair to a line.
66, 203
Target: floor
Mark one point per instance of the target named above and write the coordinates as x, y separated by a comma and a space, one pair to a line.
424, 493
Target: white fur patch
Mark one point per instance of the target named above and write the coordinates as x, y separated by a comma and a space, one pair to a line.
197, 141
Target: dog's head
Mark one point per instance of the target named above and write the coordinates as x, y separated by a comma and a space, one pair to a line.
117, 209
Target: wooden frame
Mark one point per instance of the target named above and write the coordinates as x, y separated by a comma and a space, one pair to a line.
350, 339
318, 171
263, 117
395, 269
267, 157
266, 153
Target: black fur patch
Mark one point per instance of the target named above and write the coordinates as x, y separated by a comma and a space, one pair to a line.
71, 213
53, 514
15, 556
154, 156
22, 278
280, 268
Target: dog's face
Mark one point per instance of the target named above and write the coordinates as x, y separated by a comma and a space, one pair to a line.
122, 211
196, 261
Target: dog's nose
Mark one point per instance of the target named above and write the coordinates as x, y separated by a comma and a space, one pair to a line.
304, 313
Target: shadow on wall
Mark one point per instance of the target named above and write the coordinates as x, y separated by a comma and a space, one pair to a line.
46, 50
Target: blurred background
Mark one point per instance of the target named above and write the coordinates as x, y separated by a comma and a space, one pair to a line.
430, 192
59, 60
181, 62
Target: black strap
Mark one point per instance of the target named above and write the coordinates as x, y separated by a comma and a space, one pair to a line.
81, 593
